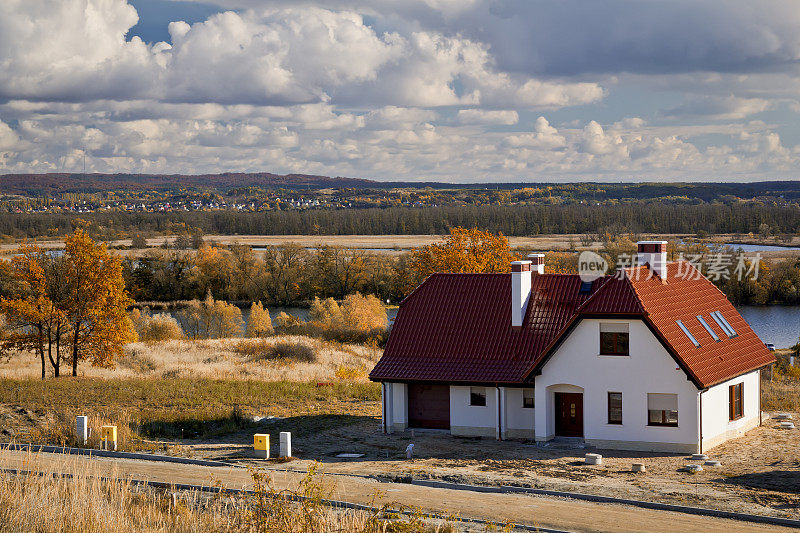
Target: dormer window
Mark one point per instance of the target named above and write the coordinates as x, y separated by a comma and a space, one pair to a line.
614, 339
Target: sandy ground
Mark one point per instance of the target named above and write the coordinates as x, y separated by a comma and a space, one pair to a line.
760, 472
525, 509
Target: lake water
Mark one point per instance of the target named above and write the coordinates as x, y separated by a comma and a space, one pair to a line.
778, 324
761, 247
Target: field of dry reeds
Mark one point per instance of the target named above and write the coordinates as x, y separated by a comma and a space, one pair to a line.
86, 502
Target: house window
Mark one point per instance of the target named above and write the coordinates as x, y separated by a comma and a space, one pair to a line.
615, 408
477, 396
527, 398
736, 401
662, 410
614, 339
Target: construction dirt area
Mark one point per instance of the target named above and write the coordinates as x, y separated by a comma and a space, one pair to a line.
759, 472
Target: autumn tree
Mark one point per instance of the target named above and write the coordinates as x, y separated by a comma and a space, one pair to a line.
96, 303
211, 319
34, 314
464, 250
259, 323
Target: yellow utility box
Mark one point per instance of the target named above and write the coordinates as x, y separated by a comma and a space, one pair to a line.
108, 437
261, 445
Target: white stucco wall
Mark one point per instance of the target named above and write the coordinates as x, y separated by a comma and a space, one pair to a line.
518, 421
396, 402
471, 420
717, 426
576, 366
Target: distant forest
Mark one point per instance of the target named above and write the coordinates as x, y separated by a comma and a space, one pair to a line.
512, 220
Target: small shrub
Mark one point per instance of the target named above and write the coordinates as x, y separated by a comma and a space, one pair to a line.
139, 362
294, 351
289, 324
348, 373
159, 328
280, 351
253, 349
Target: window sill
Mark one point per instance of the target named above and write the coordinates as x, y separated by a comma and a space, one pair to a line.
735, 419
614, 424
613, 355
662, 426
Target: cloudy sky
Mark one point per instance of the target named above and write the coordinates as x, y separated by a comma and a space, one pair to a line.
450, 90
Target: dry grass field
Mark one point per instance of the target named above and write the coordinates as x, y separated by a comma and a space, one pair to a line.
161, 395
88, 501
232, 358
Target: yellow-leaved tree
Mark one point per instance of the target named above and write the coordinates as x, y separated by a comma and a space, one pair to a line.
464, 250
96, 303
259, 323
70, 307
34, 313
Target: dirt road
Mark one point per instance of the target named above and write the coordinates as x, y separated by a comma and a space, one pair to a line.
524, 509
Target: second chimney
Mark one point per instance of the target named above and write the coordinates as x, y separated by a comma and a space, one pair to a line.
537, 263
653, 253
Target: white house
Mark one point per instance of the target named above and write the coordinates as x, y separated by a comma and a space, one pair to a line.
652, 358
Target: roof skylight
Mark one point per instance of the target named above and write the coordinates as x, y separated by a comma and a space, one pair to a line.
708, 328
686, 331
586, 287
719, 319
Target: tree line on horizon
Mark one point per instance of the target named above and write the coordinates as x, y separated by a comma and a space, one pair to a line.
641, 216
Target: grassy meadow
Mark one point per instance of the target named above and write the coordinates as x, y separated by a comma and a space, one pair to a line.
193, 390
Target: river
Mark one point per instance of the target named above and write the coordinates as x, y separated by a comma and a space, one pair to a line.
778, 324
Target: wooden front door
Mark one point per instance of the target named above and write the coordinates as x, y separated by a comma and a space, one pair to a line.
428, 406
569, 414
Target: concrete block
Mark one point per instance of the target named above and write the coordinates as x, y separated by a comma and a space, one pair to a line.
286, 444
593, 459
638, 467
82, 429
699, 457
693, 468
786, 425
713, 462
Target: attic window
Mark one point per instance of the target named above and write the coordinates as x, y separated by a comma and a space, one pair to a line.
708, 328
586, 287
686, 331
719, 319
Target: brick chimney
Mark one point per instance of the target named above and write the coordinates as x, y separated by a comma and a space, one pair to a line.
653, 253
520, 290
537, 263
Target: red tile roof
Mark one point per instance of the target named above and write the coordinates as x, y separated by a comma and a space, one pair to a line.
456, 328
685, 295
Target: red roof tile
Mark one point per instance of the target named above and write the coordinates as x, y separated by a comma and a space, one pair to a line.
684, 296
457, 328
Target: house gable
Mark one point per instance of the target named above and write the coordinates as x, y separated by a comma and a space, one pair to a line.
576, 364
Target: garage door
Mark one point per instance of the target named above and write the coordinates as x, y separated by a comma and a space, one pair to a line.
429, 406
